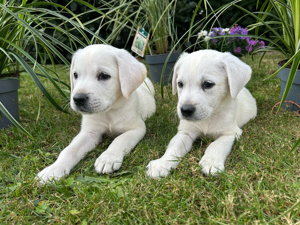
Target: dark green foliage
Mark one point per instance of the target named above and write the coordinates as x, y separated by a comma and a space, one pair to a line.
233, 14
183, 16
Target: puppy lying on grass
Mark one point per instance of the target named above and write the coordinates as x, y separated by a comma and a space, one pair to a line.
212, 102
110, 89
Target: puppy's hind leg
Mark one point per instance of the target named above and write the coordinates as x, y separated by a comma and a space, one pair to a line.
178, 147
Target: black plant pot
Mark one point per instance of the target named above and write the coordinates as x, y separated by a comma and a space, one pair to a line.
156, 64
9, 98
294, 93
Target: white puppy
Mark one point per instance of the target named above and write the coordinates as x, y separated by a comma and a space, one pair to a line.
212, 102
110, 89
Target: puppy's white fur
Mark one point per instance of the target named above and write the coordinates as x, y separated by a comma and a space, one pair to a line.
115, 106
219, 111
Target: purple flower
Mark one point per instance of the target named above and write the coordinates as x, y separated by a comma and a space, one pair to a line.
244, 31
252, 42
222, 32
238, 45
261, 44
249, 48
212, 33
238, 29
237, 50
232, 31
215, 29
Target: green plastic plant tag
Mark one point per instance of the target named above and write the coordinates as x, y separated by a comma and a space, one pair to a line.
140, 42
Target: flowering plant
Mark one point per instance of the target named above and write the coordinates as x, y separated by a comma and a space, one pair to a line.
238, 46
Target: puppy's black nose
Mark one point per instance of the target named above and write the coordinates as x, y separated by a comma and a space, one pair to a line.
80, 99
187, 110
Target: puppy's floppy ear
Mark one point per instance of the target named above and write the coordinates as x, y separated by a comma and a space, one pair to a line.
175, 75
72, 67
238, 72
132, 73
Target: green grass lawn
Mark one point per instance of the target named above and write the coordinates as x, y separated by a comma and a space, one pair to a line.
261, 183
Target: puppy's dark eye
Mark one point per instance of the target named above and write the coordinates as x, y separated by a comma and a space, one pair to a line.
207, 85
75, 75
103, 76
180, 84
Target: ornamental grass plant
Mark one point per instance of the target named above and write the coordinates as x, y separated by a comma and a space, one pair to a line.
25, 45
282, 19
157, 17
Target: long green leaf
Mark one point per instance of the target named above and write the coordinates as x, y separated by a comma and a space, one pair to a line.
295, 10
37, 81
20, 59
266, 7
290, 80
295, 146
193, 18
292, 59
281, 10
35, 32
14, 122
50, 11
55, 79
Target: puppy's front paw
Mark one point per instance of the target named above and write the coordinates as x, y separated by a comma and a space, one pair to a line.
160, 167
211, 165
108, 163
52, 172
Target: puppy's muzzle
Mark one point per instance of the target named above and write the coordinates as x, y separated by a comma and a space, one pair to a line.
80, 99
187, 110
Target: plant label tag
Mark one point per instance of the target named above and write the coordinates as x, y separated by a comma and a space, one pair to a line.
140, 41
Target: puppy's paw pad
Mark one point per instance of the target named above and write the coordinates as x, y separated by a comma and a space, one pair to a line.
52, 172
108, 163
211, 165
160, 168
